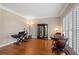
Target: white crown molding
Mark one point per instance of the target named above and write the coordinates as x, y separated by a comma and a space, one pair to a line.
48, 17
68, 8
9, 10
63, 9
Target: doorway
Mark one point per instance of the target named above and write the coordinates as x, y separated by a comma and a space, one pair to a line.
42, 31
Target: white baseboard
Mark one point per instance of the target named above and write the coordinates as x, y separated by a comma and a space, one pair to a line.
34, 36
7, 44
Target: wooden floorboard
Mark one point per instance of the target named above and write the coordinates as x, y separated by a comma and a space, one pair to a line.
31, 47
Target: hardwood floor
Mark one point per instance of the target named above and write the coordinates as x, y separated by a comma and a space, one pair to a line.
31, 47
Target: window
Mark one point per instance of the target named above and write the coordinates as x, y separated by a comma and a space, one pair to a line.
71, 28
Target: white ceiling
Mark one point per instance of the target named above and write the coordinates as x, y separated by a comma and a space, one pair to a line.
37, 9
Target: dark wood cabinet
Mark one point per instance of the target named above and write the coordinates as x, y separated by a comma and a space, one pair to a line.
42, 32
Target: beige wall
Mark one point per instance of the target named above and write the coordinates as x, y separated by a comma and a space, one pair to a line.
66, 11
9, 24
52, 24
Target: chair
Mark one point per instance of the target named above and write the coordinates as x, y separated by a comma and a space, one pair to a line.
20, 36
60, 42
